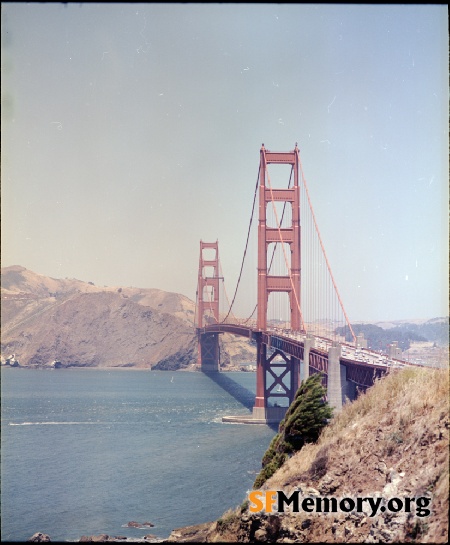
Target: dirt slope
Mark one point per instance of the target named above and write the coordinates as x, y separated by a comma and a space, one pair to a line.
80, 324
46, 319
393, 442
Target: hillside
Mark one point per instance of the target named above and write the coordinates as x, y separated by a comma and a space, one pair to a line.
379, 336
393, 442
80, 324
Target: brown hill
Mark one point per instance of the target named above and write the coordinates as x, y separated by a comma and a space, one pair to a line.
80, 324
77, 323
18, 283
393, 442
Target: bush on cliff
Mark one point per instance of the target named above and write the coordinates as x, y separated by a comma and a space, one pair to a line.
305, 418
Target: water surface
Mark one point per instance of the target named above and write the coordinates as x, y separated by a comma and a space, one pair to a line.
85, 451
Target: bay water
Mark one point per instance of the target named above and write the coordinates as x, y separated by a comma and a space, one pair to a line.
85, 451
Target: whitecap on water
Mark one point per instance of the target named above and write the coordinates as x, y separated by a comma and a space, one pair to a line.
51, 423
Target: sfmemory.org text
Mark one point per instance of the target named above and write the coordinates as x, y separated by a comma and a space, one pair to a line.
272, 501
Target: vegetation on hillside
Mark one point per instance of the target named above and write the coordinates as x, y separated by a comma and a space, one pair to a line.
392, 442
304, 420
379, 338
435, 330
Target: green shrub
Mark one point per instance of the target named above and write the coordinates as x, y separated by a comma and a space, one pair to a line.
305, 418
227, 521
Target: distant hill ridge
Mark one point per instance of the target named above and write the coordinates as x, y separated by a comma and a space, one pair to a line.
17, 281
80, 324
404, 332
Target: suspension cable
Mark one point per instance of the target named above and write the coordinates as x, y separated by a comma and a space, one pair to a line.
225, 290
250, 317
245, 251
274, 248
195, 309
210, 294
323, 249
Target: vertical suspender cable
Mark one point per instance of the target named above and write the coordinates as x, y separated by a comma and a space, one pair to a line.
246, 246
325, 255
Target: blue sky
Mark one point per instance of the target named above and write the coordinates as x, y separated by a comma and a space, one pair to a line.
132, 131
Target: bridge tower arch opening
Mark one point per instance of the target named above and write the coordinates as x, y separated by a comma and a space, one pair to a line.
208, 306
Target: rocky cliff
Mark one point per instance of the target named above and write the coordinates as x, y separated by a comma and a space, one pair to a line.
393, 442
80, 324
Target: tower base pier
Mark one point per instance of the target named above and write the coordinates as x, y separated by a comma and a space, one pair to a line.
209, 352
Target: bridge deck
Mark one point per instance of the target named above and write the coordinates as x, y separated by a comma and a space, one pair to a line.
293, 344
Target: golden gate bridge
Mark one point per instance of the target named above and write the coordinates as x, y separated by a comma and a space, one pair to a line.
298, 322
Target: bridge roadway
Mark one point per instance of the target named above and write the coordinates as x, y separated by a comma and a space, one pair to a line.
363, 365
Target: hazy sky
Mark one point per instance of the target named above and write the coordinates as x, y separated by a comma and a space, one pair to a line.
130, 132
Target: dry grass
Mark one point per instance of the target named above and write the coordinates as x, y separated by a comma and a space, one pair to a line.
399, 410
399, 428
410, 391
400, 425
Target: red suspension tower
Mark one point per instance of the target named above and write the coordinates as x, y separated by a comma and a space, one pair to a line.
290, 283
208, 303
287, 235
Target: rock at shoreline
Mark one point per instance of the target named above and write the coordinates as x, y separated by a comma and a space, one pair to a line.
197, 533
97, 539
141, 525
39, 537
102, 538
12, 362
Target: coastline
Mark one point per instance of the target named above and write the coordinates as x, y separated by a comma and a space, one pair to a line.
190, 369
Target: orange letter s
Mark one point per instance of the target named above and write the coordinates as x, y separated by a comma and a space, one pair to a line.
253, 497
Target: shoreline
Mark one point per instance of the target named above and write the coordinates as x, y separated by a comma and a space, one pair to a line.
121, 368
